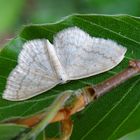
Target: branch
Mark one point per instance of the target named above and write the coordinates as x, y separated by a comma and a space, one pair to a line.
84, 96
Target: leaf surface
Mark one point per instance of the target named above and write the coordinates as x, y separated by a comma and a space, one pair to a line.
10, 131
132, 136
114, 114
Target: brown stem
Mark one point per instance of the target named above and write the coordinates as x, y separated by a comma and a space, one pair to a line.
109, 84
87, 95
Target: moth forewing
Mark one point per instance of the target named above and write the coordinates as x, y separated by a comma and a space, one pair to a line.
73, 55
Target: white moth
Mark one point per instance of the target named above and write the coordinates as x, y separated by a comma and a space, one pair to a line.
73, 55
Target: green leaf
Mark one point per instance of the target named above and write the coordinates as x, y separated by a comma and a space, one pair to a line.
41, 136
114, 114
10, 131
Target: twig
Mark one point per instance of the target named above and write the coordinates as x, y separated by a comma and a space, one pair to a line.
50, 114
132, 70
86, 95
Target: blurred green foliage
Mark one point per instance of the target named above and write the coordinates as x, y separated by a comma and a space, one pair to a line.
116, 6
15, 13
51, 10
9, 13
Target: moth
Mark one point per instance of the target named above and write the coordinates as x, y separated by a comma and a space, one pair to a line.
73, 55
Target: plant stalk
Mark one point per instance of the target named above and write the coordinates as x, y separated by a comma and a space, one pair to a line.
86, 95
50, 114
